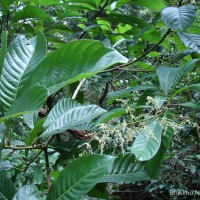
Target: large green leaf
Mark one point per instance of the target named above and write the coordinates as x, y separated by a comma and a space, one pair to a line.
30, 11
22, 57
27, 192
3, 49
193, 105
72, 62
155, 5
191, 41
147, 142
31, 100
45, 2
7, 188
79, 177
6, 5
112, 96
179, 18
170, 76
59, 109
153, 166
73, 117
125, 169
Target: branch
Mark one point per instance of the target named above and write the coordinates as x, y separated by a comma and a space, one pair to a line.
29, 163
142, 56
94, 17
47, 168
26, 147
78, 88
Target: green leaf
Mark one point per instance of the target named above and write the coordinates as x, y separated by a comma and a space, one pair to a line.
22, 57
125, 169
152, 166
30, 119
37, 130
31, 100
79, 177
7, 188
179, 18
65, 68
111, 114
45, 2
193, 105
112, 96
159, 101
191, 41
6, 6
155, 5
3, 49
30, 11
73, 117
27, 192
170, 76
59, 109
147, 142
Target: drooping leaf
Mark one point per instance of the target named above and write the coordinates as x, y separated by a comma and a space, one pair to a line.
191, 41
79, 177
170, 76
22, 57
6, 5
153, 166
111, 114
75, 116
7, 188
159, 101
59, 109
179, 18
65, 68
193, 105
125, 169
31, 100
30, 119
112, 96
147, 142
155, 5
30, 11
27, 192
45, 2
36, 131
3, 49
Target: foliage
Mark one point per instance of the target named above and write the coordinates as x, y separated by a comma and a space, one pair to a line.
94, 94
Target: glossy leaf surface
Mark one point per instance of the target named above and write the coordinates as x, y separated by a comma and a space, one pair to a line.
79, 177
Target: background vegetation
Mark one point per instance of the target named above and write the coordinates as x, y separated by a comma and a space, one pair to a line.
99, 99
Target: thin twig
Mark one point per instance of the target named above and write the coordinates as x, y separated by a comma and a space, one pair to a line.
29, 163
142, 56
47, 168
94, 17
26, 147
78, 88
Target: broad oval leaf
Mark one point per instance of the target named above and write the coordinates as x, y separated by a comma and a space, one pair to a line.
153, 166
79, 177
147, 142
191, 41
179, 18
72, 62
30, 11
125, 169
31, 100
59, 109
27, 192
22, 57
7, 188
75, 116
170, 76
